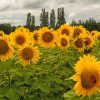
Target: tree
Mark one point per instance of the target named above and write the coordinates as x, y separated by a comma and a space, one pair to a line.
6, 27
90, 24
52, 19
60, 17
44, 19
63, 21
28, 22
33, 21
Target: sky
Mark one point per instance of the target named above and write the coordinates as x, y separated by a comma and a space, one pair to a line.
15, 11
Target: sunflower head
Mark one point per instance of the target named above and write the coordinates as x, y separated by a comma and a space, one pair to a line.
94, 34
65, 30
98, 35
20, 38
63, 42
77, 31
27, 55
88, 42
6, 51
79, 44
21, 29
3, 47
87, 76
47, 37
35, 36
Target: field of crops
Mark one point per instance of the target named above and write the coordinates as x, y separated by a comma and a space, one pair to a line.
48, 64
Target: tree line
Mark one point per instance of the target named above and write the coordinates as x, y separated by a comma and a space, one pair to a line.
52, 20
47, 19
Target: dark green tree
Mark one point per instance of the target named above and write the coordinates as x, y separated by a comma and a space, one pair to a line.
33, 21
60, 17
63, 21
44, 18
28, 21
52, 19
6, 27
90, 24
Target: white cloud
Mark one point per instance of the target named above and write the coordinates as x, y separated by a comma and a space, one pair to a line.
15, 11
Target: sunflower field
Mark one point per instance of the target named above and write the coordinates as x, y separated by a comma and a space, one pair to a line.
48, 64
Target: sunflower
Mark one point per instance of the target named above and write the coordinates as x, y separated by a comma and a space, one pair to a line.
35, 35
20, 38
6, 50
1, 33
98, 35
63, 42
78, 30
88, 41
65, 29
87, 76
27, 55
21, 29
94, 34
79, 44
47, 37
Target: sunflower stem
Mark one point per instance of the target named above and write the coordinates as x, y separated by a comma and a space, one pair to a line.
9, 79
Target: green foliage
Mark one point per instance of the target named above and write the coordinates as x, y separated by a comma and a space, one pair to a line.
70, 95
90, 24
7, 28
44, 81
47, 80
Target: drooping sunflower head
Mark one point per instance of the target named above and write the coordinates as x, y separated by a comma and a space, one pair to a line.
87, 76
27, 55
35, 36
79, 44
66, 29
78, 30
20, 38
94, 34
6, 50
47, 37
63, 42
88, 42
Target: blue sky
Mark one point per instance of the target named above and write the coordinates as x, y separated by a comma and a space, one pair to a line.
15, 11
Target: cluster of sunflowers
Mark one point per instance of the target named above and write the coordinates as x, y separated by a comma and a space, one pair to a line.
24, 45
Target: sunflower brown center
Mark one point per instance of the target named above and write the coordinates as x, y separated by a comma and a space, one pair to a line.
47, 37
98, 37
63, 42
65, 31
87, 41
89, 79
3, 47
1, 34
93, 33
77, 32
20, 39
79, 43
27, 53
36, 37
